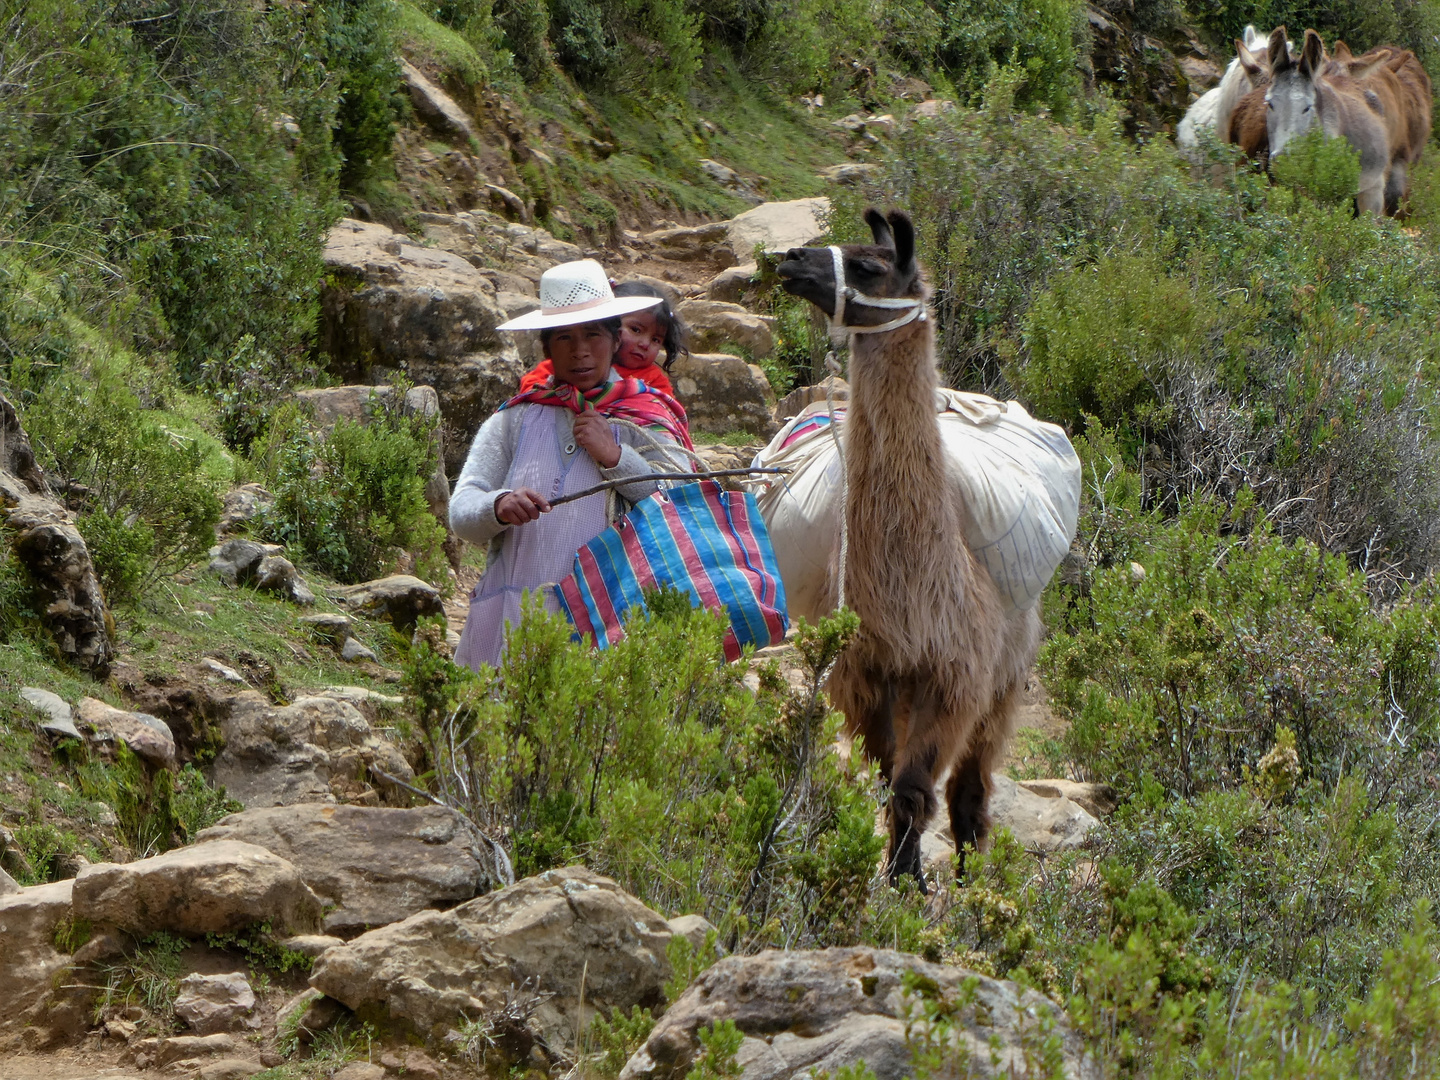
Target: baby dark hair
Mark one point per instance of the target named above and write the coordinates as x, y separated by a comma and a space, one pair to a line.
612, 327
665, 317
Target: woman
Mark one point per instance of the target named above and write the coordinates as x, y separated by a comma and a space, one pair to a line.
584, 426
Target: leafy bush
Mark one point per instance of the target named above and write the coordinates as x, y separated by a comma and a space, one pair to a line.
1325, 169
351, 501
651, 763
145, 500
1100, 338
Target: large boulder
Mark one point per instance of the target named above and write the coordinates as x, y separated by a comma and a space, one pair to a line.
28, 921
52, 551
207, 888
708, 243
778, 226
311, 750
147, 736
714, 324
371, 865
391, 306
722, 393
803, 1013
540, 936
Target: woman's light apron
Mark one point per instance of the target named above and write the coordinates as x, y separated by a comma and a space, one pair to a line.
548, 460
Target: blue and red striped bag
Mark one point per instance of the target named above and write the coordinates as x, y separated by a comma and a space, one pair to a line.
699, 538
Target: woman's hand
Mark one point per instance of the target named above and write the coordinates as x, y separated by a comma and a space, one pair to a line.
592, 431
520, 506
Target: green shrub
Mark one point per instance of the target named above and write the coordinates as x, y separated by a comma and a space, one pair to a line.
652, 764
1039, 40
1101, 339
145, 500
1325, 169
352, 501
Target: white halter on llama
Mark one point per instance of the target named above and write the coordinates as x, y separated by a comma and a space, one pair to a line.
913, 306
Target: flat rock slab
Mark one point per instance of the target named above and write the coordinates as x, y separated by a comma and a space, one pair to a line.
437, 968
374, 865
280, 755
806, 1012
208, 888
56, 717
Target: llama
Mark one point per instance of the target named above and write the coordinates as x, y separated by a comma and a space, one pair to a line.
932, 680
1371, 112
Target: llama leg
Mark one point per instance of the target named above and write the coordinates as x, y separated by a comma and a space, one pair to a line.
867, 698
968, 792
912, 792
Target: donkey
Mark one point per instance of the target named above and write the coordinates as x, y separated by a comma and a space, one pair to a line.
1365, 112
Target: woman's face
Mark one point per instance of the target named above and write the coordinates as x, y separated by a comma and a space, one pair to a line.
582, 355
641, 339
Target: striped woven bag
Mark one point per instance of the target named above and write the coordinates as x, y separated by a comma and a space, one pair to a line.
699, 538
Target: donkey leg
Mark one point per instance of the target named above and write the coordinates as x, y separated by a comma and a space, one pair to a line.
968, 792
1396, 187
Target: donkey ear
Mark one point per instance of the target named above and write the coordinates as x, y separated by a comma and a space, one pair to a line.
1342, 53
904, 231
1250, 36
1312, 53
1279, 50
1249, 61
879, 228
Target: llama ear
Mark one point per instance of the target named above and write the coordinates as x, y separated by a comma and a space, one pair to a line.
1312, 53
904, 230
879, 228
1249, 61
1279, 51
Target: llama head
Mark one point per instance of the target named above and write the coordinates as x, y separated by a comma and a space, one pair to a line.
886, 268
1292, 104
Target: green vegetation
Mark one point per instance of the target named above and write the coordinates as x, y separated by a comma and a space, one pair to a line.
351, 501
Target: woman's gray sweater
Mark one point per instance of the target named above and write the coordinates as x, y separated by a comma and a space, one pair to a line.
472, 503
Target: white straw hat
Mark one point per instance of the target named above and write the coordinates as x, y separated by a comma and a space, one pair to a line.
574, 293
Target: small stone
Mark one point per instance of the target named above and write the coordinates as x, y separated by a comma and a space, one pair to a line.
271, 1059
8, 884
102, 814
213, 1003
354, 652
277, 574
235, 561
122, 1030
401, 598
1137, 573
214, 666
694, 929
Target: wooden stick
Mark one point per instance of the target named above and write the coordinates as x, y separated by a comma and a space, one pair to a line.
608, 484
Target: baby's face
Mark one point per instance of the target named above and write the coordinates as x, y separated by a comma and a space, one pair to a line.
641, 339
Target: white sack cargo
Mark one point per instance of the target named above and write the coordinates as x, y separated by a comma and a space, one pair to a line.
1018, 476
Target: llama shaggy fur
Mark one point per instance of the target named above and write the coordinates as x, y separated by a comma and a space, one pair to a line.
933, 677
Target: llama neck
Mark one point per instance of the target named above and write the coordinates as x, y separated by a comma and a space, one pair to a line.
891, 418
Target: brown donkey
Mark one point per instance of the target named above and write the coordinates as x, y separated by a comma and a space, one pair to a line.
932, 679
